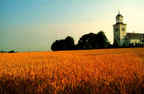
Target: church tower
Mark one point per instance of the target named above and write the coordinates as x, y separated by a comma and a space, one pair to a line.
119, 30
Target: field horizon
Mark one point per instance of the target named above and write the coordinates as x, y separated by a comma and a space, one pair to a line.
100, 71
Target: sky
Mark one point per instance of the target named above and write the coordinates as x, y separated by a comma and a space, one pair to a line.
33, 25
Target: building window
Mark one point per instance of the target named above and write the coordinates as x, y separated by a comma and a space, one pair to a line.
123, 29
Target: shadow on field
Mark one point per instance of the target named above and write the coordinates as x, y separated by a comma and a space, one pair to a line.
27, 86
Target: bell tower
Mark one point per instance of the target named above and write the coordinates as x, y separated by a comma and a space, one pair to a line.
119, 30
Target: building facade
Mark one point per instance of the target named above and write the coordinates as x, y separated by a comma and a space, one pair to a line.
119, 31
134, 39
122, 38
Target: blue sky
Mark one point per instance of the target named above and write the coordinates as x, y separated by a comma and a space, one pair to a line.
28, 25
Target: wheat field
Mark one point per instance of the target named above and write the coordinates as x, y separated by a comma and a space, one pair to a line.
106, 71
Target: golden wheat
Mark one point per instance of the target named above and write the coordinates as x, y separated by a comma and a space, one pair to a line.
108, 71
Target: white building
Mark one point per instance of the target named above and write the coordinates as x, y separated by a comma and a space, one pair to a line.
134, 39
121, 38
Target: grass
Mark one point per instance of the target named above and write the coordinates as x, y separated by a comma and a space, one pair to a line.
107, 71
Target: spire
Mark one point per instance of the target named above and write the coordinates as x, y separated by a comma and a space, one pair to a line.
119, 14
119, 17
118, 11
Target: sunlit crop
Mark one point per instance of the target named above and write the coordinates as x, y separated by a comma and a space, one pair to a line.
108, 71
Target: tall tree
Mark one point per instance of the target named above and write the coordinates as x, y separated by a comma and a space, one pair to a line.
93, 41
64, 44
102, 40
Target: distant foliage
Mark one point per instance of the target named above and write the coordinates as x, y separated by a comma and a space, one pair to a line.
87, 41
93, 41
12, 51
65, 44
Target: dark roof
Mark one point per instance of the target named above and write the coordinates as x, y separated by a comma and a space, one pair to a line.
120, 23
119, 15
135, 36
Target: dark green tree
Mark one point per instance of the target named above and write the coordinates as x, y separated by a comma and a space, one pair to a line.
64, 44
86, 41
93, 41
102, 40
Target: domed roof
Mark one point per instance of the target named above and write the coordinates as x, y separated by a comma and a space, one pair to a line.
119, 15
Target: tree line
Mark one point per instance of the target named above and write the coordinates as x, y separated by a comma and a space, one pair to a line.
87, 41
